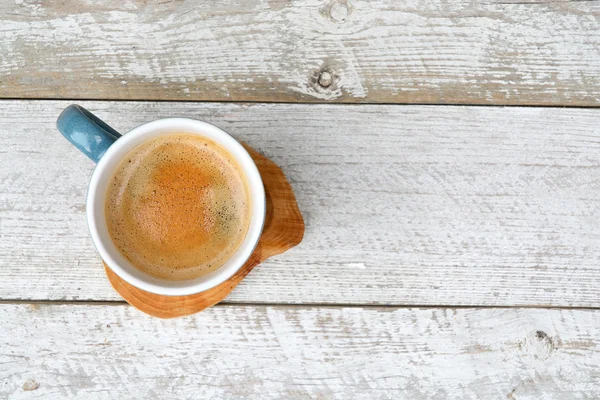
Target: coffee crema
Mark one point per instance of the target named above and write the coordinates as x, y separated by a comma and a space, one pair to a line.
178, 206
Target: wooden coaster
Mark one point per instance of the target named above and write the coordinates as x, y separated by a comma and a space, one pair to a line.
284, 229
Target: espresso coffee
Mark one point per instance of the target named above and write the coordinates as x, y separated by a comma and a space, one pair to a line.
178, 206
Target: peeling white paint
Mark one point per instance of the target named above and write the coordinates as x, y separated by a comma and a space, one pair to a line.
472, 205
98, 351
382, 51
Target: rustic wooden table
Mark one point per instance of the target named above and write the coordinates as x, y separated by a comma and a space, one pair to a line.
452, 246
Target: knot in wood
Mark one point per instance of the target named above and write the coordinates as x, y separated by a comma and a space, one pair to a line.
325, 79
30, 385
339, 11
539, 345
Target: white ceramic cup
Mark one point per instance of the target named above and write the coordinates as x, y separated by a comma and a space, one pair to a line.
103, 144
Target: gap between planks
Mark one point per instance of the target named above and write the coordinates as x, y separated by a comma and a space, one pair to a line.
4, 302
303, 103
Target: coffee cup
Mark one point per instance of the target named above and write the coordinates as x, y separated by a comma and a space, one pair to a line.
105, 146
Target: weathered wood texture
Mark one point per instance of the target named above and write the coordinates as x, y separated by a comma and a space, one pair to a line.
241, 352
442, 51
403, 204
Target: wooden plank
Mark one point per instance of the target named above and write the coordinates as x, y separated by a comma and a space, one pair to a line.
442, 51
403, 204
100, 351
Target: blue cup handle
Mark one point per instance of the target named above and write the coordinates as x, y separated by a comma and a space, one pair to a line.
85, 131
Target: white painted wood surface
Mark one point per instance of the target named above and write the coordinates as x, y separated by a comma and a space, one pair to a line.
441, 51
404, 205
249, 352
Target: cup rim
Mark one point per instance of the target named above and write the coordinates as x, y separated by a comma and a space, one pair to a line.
95, 204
